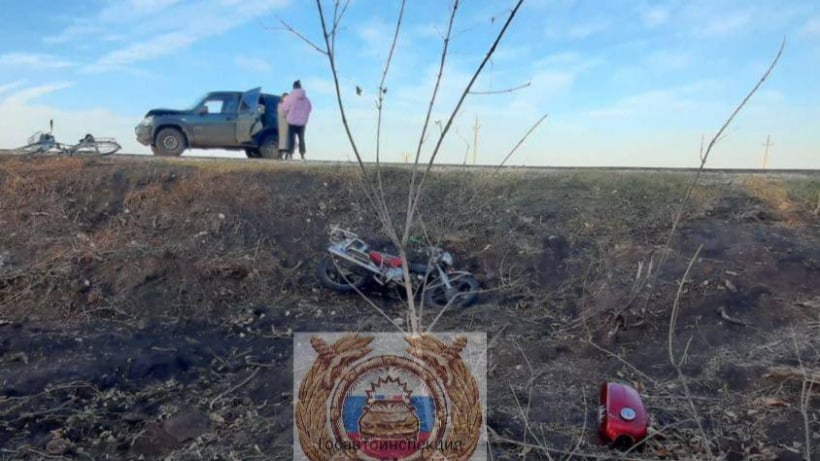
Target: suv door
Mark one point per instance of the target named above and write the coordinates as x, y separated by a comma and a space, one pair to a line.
248, 116
215, 127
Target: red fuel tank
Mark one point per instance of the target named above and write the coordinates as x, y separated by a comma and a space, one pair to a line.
622, 417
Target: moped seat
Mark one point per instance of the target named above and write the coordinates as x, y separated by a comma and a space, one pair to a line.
384, 259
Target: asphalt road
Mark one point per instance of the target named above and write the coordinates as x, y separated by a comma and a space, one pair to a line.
438, 166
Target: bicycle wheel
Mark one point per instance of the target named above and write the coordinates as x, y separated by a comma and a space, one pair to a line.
98, 147
32, 149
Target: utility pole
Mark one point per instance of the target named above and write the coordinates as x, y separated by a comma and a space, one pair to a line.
475, 139
767, 145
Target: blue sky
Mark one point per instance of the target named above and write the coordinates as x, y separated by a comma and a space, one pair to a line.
624, 82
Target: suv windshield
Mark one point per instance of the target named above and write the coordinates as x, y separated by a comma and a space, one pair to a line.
199, 102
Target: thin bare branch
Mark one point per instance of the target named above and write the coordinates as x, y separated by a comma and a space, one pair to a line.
304, 39
380, 110
520, 142
337, 19
338, 14
369, 188
505, 90
423, 134
413, 205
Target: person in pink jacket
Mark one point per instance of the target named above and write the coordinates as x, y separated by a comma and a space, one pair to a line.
297, 109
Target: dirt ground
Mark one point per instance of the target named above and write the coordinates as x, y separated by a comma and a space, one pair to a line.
146, 306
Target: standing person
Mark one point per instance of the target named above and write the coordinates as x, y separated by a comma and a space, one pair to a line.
282, 121
297, 108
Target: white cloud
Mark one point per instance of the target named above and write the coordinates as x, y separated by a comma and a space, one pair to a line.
580, 31
151, 48
650, 103
74, 32
669, 60
34, 61
728, 24
320, 86
151, 29
811, 28
35, 92
655, 16
376, 35
6, 87
128, 10
101, 68
562, 59
253, 64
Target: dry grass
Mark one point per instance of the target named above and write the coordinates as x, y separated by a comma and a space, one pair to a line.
536, 240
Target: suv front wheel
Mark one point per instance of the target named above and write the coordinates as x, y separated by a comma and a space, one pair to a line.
169, 142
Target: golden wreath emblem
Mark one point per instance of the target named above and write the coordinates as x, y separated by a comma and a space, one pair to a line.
354, 406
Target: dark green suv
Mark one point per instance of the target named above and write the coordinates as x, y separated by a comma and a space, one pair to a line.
230, 120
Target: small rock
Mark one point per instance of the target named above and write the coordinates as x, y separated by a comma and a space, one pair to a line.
221, 216
186, 425
154, 442
398, 321
133, 417
730, 286
788, 455
58, 447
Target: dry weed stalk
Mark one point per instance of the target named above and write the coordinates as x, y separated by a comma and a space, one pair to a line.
806, 382
704, 157
676, 363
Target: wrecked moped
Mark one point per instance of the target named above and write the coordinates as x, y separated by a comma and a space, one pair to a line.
352, 264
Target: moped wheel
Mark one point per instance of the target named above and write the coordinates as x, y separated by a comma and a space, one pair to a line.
339, 276
463, 293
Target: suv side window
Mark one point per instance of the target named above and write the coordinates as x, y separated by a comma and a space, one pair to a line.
214, 106
231, 105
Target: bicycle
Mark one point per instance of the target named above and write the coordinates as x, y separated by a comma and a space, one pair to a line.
45, 143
